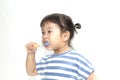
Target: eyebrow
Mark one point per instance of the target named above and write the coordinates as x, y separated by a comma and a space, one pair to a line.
47, 28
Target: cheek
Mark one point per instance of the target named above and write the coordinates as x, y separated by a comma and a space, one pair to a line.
56, 35
56, 39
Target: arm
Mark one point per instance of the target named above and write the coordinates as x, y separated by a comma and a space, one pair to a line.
30, 61
92, 77
31, 65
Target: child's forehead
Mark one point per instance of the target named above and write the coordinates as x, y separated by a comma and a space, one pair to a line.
49, 25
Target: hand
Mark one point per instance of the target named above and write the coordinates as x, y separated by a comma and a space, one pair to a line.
31, 47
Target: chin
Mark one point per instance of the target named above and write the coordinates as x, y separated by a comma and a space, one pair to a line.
48, 48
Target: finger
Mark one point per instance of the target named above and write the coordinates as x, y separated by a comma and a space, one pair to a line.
36, 45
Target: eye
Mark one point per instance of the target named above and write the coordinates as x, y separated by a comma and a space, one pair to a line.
43, 32
49, 31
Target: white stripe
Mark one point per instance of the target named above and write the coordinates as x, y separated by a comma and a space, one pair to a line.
83, 73
56, 78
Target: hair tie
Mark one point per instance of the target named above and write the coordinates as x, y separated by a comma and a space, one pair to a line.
78, 25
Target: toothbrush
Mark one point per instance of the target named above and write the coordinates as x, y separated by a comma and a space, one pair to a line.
45, 44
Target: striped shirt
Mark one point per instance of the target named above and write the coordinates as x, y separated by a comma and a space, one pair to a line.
66, 66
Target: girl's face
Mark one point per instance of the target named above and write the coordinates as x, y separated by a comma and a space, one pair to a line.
51, 33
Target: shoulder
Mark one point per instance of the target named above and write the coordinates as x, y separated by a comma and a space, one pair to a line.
79, 56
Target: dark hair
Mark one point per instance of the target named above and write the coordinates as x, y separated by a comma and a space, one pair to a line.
65, 23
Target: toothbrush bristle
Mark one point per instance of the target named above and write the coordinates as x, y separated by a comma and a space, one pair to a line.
46, 43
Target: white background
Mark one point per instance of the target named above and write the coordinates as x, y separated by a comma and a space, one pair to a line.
98, 39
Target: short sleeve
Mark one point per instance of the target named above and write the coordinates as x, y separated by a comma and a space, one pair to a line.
85, 68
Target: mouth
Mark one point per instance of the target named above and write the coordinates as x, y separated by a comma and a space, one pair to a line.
46, 43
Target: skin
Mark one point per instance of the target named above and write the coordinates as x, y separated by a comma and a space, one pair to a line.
58, 43
92, 77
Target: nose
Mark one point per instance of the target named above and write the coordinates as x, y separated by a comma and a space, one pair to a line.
44, 36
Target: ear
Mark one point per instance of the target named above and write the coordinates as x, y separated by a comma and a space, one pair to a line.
65, 35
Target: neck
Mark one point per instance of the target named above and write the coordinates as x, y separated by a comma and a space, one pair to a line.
62, 50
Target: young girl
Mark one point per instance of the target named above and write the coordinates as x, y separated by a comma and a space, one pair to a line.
65, 64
